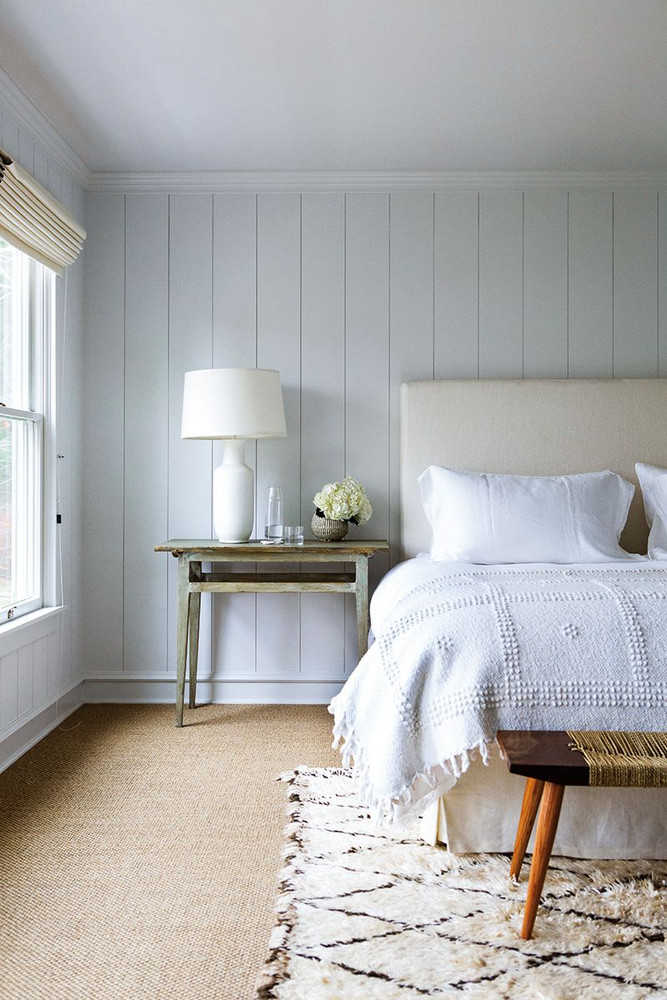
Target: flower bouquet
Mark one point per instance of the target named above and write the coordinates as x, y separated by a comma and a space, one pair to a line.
336, 505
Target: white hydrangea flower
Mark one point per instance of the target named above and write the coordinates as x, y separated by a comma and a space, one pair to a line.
344, 501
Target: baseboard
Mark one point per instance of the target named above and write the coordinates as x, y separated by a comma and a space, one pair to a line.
36, 728
162, 690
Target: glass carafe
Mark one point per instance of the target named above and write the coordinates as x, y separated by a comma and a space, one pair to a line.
274, 514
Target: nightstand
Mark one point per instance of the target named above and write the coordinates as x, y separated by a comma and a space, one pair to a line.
193, 582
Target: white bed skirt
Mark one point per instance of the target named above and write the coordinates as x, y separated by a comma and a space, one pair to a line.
480, 813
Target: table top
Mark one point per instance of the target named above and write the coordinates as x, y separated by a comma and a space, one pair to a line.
310, 548
545, 755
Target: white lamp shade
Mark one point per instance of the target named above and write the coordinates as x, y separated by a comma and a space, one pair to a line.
233, 403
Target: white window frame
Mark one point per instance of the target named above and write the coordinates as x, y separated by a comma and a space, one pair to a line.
38, 531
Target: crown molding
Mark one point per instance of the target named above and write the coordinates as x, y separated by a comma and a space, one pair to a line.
28, 116
371, 180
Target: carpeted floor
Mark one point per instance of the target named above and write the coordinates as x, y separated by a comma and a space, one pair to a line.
138, 860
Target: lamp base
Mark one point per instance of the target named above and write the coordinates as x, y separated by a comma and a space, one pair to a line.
233, 495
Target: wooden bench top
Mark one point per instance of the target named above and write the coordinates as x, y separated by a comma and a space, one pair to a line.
545, 759
543, 754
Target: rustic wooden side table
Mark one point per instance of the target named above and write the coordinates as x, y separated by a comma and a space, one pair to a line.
193, 582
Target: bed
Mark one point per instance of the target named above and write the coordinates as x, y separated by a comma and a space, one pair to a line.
537, 428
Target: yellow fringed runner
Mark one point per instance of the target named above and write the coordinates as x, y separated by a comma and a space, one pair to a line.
618, 759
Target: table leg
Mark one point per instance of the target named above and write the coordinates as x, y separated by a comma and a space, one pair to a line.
361, 594
532, 796
547, 824
182, 634
195, 605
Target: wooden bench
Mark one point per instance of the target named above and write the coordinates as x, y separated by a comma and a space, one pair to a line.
548, 764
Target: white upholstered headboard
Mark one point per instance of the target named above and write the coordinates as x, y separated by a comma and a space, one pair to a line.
529, 427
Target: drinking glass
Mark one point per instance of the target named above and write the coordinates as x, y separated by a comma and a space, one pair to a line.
294, 534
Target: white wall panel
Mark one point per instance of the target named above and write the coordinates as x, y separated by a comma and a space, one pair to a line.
545, 284
279, 459
190, 347
55, 179
26, 152
456, 268
33, 674
590, 285
71, 390
104, 436
41, 170
24, 692
40, 670
322, 407
146, 423
367, 353
8, 688
411, 341
635, 284
500, 284
67, 192
235, 280
367, 374
235, 345
53, 648
10, 135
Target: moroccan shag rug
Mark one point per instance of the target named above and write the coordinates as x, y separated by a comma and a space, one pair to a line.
365, 913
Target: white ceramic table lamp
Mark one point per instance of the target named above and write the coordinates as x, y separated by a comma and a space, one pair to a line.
233, 404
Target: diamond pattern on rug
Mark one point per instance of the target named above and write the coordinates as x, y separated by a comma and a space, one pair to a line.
372, 913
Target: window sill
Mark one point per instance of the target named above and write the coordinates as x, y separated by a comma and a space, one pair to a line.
25, 621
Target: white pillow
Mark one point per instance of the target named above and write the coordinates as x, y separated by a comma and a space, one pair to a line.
486, 518
653, 481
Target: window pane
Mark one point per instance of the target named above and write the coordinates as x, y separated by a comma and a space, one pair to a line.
14, 340
19, 520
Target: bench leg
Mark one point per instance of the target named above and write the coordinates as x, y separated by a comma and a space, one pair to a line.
544, 841
532, 796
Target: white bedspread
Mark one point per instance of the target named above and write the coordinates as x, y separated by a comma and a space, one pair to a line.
462, 651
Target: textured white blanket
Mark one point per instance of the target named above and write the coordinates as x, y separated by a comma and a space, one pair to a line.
499, 648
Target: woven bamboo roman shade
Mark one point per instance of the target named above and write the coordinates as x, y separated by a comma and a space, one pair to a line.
33, 221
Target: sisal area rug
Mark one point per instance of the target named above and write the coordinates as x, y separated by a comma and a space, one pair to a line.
367, 914
138, 861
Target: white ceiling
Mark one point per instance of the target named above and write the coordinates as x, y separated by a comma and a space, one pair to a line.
146, 85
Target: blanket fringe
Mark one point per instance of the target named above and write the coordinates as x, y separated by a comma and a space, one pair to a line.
400, 808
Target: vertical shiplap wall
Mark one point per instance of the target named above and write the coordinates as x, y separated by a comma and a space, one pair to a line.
40, 661
348, 296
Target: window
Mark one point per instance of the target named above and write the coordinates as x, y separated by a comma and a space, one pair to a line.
25, 350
